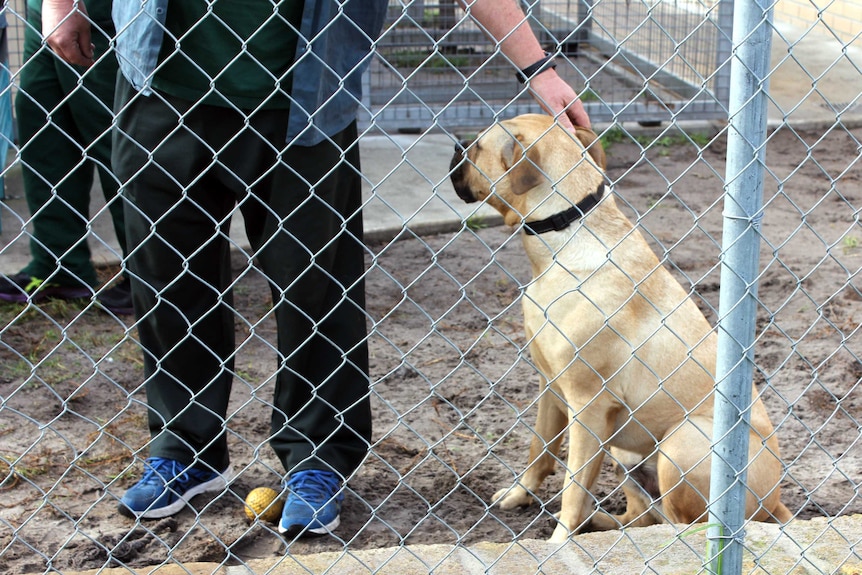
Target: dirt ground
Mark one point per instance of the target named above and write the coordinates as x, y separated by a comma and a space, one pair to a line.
453, 387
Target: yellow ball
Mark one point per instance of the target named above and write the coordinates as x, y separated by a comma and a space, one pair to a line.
263, 503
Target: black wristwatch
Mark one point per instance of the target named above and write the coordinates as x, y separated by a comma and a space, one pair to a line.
544, 64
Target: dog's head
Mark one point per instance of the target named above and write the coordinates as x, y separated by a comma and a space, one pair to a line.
529, 153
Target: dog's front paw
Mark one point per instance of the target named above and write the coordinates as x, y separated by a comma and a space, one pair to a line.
561, 534
512, 497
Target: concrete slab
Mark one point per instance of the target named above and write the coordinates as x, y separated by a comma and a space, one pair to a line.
812, 547
815, 81
406, 190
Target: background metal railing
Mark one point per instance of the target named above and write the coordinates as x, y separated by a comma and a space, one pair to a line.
631, 61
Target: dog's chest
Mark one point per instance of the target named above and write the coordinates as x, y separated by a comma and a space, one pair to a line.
557, 323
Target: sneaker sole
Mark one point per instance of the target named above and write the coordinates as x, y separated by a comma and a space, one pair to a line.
213, 485
47, 293
115, 309
305, 530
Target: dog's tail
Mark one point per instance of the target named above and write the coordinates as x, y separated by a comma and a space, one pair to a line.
781, 514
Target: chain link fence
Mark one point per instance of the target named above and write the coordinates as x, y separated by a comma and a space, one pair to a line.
454, 389
642, 62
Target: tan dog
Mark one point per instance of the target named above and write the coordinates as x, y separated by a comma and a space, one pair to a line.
627, 360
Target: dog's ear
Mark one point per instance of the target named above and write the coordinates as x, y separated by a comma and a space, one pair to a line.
522, 163
593, 145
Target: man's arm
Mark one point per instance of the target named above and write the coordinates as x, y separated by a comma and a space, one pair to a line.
67, 30
506, 22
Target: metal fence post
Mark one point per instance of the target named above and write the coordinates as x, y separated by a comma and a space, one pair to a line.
723, 51
752, 34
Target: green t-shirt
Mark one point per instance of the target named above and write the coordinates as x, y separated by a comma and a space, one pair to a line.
98, 10
236, 51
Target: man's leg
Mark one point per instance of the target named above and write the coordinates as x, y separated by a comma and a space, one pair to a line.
323, 418
180, 269
57, 176
91, 108
304, 222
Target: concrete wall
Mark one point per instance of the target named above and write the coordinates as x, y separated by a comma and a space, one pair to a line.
843, 18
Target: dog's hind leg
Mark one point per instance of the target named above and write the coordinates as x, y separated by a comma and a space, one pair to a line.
639, 481
544, 449
683, 470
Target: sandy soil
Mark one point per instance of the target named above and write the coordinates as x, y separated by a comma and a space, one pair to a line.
453, 390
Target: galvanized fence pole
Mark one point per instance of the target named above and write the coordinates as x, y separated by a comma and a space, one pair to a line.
752, 34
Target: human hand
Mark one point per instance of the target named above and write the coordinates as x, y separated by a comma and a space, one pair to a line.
67, 31
557, 98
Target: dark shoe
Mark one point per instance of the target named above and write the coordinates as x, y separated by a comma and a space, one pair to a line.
23, 287
313, 503
167, 486
118, 298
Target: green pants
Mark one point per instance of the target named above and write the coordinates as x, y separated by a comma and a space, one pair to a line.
64, 134
301, 207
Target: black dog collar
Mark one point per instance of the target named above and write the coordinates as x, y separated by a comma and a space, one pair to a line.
562, 220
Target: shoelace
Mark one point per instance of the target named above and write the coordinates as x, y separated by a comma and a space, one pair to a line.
164, 471
316, 487
33, 285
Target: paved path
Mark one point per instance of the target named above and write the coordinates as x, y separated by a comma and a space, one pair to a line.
407, 188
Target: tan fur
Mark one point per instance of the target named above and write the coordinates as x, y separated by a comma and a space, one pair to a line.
628, 357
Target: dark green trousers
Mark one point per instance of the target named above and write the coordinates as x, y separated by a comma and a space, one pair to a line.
64, 130
301, 206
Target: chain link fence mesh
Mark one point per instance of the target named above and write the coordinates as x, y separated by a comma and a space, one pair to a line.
629, 61
454, 389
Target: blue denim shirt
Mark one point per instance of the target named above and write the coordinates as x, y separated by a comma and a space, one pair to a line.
334, 48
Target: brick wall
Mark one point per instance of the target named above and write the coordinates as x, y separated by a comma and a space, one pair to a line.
843, 18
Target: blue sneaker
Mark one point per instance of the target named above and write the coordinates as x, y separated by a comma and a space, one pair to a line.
167, 486
313, 503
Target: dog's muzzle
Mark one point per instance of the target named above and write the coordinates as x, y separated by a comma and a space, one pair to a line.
457, 172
